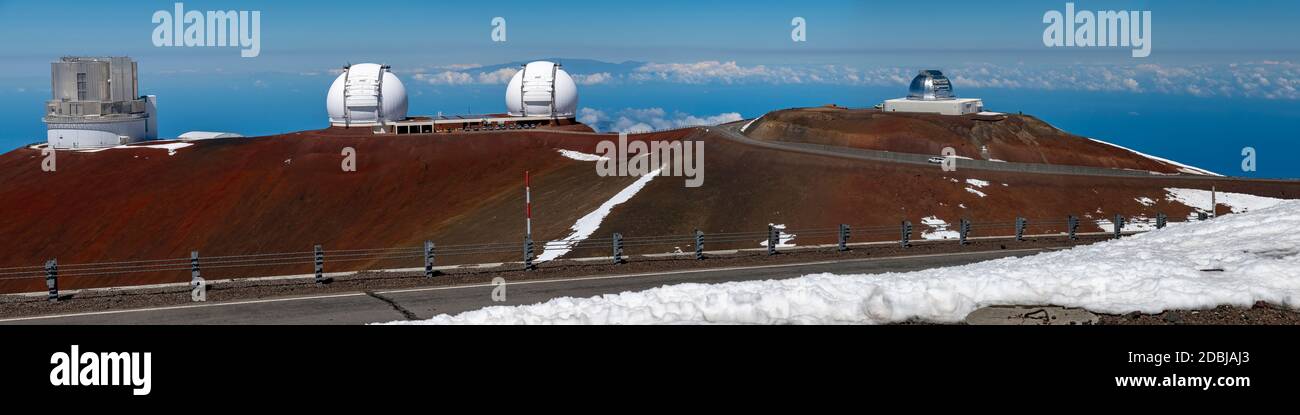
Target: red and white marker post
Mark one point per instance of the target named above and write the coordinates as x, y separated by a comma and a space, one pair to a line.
528, 203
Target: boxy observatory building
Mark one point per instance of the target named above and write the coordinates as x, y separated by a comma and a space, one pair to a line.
931, 92
96, 103
369, 95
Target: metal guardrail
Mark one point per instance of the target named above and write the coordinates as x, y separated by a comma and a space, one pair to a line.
693, 244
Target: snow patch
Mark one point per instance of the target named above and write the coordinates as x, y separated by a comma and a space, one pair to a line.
976, 192
977, 182
1145, 201
170, 147
938, 229
1254, 256
782, 239
580, 156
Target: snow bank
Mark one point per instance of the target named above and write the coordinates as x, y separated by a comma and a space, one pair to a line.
1236, 260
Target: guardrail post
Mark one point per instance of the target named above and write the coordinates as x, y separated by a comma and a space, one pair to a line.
198, 287
528, 253
771, 239
699, 244
1119, 225
428, 259
1161, 220
906, 240
844, 237
1021, 223
320, 265
1072, 226
618, 248
52, 278
963, 229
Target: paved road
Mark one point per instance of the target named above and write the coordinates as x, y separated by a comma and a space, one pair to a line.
422, 303
732, 131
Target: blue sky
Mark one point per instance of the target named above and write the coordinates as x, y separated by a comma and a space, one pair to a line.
301, 35
664, 62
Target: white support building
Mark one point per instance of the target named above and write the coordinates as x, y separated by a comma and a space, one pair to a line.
931, 92
96, 103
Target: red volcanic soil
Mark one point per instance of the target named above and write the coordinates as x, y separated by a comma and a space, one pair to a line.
747, 187
288, 192
1008, 137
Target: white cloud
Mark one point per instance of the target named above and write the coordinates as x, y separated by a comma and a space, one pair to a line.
590, 116
593, 79
1266, 79
497, 77
648, 119
446, 78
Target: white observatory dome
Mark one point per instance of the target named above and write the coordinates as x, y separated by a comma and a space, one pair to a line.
366, 94
542, 88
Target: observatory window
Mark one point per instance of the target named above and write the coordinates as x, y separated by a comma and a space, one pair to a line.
81, 86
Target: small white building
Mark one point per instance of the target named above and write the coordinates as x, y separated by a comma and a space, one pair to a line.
931, 92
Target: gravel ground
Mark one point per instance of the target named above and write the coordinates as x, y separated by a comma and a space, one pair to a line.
1260, 314
236, 290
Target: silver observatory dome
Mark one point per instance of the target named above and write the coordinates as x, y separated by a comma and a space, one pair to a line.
930, 85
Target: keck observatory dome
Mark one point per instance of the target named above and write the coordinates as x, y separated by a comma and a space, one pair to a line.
542, 88
366, 94
930, 85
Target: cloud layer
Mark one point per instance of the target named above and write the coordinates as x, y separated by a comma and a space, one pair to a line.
1264, 79
632, 120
